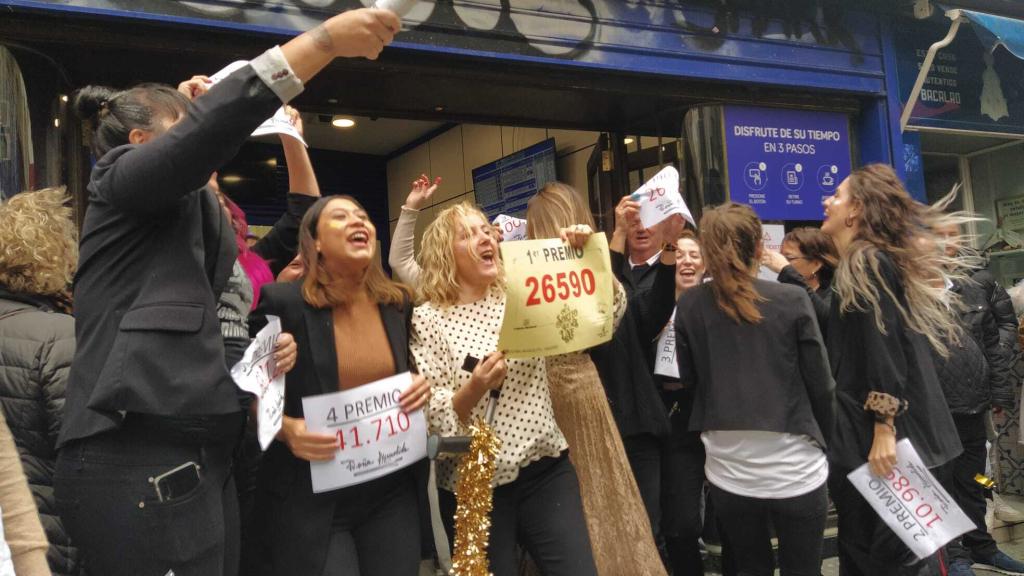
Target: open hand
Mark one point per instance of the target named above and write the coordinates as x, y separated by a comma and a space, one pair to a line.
422, 190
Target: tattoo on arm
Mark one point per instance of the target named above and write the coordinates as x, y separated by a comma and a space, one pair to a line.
322, 38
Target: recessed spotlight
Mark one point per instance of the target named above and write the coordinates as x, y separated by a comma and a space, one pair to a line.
63, 97
272, 162
628, 141
438, 108
56, 122
231, 179
342, 122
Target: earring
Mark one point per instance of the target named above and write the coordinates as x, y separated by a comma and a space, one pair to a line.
848, 221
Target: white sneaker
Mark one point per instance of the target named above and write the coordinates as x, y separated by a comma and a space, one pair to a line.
1005, 512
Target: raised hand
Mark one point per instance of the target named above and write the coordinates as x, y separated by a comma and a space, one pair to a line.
421, 191
195, 86
577, 235
364, 32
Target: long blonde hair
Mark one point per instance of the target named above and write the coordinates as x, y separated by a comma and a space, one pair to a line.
439, 282
730, 235
556, 206
893, 223
319, 289
38, 243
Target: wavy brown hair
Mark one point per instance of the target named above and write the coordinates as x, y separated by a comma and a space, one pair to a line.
730, 236
38, 243
319, 288
556, 206
893, 223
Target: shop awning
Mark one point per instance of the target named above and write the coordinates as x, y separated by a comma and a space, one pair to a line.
992, 30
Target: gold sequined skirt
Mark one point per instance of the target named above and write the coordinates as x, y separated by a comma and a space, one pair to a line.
620, 532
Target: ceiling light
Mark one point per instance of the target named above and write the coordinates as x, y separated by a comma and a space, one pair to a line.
342, 122
271, 162
63, 98
438, 108
628, 141
56, 122
231, 179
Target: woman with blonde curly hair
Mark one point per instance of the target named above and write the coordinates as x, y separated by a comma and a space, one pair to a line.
889, 309
455, 335
38, 255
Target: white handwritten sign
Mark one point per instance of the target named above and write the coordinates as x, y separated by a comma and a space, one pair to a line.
279, 123
665, 364
659, 198
512, 228
773, 235
375, 438
254, 374
912, 502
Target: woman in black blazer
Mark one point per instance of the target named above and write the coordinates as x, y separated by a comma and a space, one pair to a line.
143, 479
885, 317
351, 324
763, 398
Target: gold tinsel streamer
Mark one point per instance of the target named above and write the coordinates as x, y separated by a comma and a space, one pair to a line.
474, 494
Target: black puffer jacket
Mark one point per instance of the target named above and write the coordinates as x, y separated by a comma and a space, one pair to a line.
977, 373
36, 346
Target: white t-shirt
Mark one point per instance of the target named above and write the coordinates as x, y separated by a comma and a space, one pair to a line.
760, 464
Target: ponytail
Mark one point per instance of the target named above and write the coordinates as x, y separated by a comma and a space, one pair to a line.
729, 237
114, 114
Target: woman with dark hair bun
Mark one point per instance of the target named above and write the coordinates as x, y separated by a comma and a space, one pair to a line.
143, 479
763, 398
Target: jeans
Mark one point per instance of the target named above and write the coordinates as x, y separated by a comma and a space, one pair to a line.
867, 547
110, 507
376, 530
799, 524
959, 482
542, 511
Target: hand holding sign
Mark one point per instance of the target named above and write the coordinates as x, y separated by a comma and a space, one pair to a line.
659, 198
912, 503
261, 372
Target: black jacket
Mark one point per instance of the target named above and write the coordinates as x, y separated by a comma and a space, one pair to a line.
977, 372
821, 298
36, 346
771, 376
156, 249
295, 522
896, 361
625, 362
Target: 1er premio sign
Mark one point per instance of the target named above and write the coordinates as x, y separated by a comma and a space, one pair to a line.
558, 298
375, 438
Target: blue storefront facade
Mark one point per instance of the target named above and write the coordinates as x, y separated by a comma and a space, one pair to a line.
817, 60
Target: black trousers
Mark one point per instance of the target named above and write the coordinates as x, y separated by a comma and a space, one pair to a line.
959, 482
376, 529
645, 453
682, 494
867, 547
799, 524
111, 510
542, 512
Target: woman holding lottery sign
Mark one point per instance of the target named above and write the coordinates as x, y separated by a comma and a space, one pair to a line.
763, 399
351, 327
455, 335
611, 500
885, 317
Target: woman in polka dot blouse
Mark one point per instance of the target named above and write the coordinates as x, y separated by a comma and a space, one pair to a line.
536, 499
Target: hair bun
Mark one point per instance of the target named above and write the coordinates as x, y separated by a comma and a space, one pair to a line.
90, 100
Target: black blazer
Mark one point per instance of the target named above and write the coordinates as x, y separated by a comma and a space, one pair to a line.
156, 250
771, 376
296, 522
896, 361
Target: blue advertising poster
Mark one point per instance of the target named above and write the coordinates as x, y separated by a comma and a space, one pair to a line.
506, 185
784, 163
967, 87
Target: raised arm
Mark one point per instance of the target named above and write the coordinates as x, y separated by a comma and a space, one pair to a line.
402, 256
